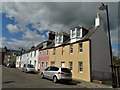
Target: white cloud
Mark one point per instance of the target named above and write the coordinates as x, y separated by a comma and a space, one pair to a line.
30, 35
15, 44
12, 28
57, 16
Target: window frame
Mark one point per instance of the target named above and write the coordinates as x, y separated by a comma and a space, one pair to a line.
71, 48
54, 51
80, 68
71, 67
46, 52
42, 64
80, 47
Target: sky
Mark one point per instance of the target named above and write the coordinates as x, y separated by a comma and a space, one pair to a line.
27, 23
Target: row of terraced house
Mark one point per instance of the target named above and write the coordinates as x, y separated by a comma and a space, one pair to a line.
84, 51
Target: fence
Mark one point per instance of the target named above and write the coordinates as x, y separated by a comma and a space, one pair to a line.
102, 76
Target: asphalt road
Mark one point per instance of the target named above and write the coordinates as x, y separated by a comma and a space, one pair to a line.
15, 78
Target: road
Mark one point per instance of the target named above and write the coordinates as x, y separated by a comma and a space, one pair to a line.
15, 78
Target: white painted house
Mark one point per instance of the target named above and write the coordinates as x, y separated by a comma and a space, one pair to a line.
18, 61
33, 58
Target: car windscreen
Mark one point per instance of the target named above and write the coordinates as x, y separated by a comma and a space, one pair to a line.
30, 66
66, 70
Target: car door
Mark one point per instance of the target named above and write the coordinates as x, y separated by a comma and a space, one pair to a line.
53, 71
46, 72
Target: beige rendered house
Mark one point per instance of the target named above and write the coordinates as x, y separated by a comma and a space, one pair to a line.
86, 52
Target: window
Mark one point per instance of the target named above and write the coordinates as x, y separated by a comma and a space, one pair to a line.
62, 50
42, 53
46, 64
39, 54
35, 54
46, 52
54, 51
57, 38
80, 47
52, 63
60, 39
31, 54
42, 64
80, 66
78, 32
30, 62
73, 33
71, 48
54, 68
70, 65
35, 63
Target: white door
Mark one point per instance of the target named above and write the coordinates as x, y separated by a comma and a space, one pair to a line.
62, 64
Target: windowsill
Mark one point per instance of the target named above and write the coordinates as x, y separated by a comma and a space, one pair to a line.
80, 71
71, 53
80, 52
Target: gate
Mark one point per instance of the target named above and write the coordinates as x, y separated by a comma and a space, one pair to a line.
116, 72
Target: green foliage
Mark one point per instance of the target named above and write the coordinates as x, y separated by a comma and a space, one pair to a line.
116, 62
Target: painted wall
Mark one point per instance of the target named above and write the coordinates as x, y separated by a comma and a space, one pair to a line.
100, 53
75, 57
18, 61
24, 59
43, 59
33, 58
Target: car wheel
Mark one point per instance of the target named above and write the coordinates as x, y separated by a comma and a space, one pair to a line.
55, 79
26, 70
42, 76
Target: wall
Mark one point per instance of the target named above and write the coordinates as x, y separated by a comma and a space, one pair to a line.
100, 53
75, 57
34, 58
44, 59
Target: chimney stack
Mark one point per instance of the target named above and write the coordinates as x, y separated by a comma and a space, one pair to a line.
97, 20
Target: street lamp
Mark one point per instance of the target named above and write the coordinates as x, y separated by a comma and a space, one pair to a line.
105, 7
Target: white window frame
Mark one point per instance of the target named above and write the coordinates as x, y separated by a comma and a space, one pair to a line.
70, 64
80, 47
71, 48
80, 71
42, 64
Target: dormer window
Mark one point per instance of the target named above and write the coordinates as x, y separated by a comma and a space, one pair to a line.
44, 44
73, 33
77, 33
58, 39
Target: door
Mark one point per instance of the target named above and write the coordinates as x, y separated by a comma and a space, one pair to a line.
62, 64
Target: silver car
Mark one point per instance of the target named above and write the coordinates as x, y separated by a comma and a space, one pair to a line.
28, 68
56, 74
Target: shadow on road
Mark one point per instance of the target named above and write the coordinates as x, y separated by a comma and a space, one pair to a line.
73, 82
32, 72
9, 82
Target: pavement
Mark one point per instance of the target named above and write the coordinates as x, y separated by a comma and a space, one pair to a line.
93, 85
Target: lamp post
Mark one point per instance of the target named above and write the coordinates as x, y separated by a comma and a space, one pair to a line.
105, 7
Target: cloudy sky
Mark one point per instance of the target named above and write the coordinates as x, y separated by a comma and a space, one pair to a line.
27, 23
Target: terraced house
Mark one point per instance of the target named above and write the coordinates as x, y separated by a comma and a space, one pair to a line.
86, 52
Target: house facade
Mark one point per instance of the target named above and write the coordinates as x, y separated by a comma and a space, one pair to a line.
10, 56
73, 58
18, 61
44, 53
86, 53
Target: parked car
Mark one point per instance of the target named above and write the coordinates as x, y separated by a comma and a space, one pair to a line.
28, 68
57, 74
11, 65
